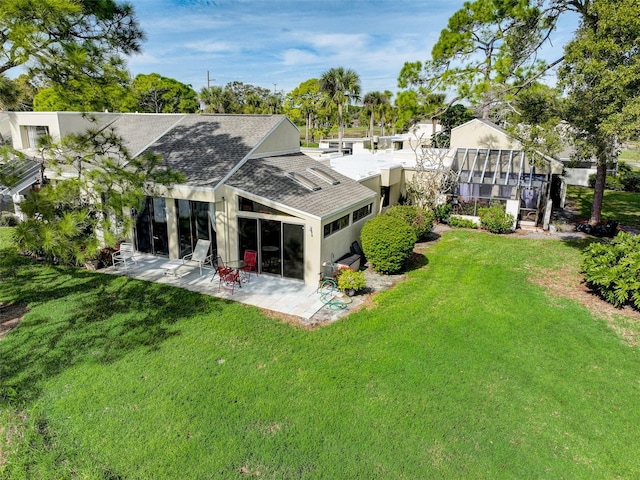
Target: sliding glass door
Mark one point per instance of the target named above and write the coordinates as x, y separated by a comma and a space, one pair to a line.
280, 245
151, 227
194, 223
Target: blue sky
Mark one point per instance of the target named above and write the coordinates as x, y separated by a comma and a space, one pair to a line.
277, 44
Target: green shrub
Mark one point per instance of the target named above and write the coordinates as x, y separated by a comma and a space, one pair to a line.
351, 279
459, 222
613, 269
419, 219
631, 182
443, 212
495, 219
611, 182
626, 180
387, 242
8, 220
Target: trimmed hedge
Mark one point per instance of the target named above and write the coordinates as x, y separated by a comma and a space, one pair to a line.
419, 219
459, 222
387, 242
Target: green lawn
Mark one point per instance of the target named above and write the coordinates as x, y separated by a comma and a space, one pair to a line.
624, 207
466, 370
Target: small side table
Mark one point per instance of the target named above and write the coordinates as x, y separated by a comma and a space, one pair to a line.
171, 267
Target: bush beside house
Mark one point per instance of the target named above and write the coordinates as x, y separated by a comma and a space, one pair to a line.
495, 219
461, 222
387, 242
351, 281
419, 219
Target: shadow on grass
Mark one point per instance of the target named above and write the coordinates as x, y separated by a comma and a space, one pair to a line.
77, 316
416, 261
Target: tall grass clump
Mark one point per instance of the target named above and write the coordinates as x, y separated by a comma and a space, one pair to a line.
613, 269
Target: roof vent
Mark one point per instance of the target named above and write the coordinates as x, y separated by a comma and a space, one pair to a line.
304, 181
323, 175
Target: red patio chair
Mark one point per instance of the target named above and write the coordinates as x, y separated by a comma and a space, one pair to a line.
229, 280
251, 260
221, 268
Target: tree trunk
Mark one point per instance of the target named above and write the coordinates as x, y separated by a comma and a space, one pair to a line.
598, 193
371, 130
340, 133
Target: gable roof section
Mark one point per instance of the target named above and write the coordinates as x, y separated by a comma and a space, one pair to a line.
140, 130
267, 178
205, 148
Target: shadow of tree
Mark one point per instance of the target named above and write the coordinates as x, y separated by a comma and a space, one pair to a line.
78, 316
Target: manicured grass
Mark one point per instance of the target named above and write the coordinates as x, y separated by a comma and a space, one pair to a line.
466, 370
629, 156
624, 207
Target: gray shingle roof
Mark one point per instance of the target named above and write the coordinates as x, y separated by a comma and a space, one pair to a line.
266, 177
205, 148
139, 130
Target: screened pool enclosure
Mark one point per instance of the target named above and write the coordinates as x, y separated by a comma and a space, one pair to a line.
487, 177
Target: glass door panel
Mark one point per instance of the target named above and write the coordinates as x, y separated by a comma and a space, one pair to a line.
293, 251
151, 227
143, 232
247, 236
159, 227
271, 246
184, 227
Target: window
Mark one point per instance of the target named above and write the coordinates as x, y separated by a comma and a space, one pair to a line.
304, 181
34, 133
246, 205
333, 227
323, 175
362, 212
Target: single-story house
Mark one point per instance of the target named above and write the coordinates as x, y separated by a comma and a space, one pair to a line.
248, 186
490, 167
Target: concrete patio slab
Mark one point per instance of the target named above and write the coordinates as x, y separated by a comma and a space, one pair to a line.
291, 297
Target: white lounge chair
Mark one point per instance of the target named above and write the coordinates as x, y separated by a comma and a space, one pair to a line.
200, 254
124, 256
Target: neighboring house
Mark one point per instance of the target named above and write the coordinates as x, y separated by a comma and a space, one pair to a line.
247, 186
492, 167
578, 172
24, 173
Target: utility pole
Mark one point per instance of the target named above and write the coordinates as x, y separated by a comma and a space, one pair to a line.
209, 80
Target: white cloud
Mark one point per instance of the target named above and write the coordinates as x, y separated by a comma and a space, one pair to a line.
295, 57
212, 47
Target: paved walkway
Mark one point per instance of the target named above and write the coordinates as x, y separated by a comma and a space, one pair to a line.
291, 297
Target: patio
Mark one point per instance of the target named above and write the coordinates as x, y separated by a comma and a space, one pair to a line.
269, 292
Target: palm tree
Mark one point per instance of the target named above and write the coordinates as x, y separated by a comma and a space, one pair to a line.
371, 102
343, 87
384, 107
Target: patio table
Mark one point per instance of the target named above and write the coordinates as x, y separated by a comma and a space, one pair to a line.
238, 265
